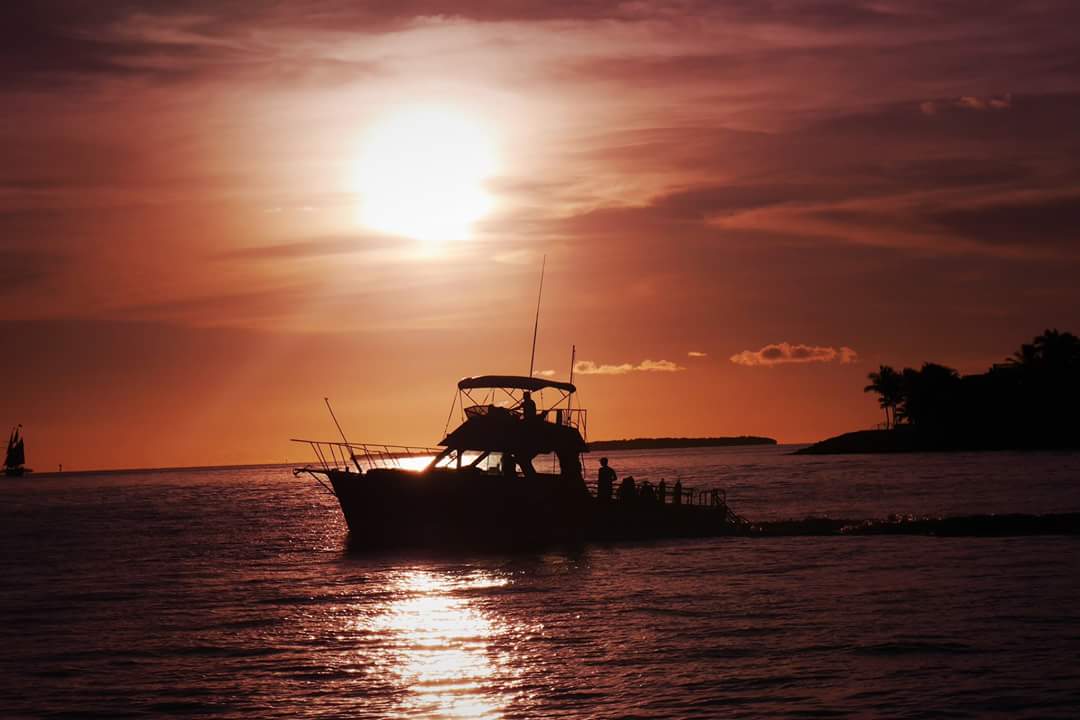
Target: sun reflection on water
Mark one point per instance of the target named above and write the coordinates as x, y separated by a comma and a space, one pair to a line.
442, 648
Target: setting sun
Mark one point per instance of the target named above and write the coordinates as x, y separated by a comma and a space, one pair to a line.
421, 174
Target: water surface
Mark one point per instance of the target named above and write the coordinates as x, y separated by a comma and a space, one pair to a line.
233, 593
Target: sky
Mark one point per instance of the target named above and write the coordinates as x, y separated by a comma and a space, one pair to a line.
214, 214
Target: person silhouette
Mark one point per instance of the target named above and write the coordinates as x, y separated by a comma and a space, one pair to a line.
528, 406
676, 493
605, 481
646, 493
627, 491
661, 491
508, 469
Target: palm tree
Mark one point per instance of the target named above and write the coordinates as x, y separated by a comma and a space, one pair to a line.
1059, 351
887, 383
1053, 349
928, 394
1026, 356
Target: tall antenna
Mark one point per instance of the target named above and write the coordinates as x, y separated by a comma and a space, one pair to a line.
536, 325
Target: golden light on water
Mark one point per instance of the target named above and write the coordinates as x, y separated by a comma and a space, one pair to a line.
442, 647
421, 174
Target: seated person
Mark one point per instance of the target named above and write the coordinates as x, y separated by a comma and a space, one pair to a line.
508, 469
646, 493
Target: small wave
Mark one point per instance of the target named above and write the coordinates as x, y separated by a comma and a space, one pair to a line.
186, 707
916, 647
220, 651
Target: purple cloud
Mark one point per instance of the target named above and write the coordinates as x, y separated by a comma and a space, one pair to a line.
784, 353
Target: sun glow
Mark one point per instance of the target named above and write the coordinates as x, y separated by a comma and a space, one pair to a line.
421, 174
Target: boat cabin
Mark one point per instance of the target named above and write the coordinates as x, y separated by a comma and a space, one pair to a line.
509, 425
509, 421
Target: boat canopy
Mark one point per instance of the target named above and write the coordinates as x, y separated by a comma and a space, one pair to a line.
514, 382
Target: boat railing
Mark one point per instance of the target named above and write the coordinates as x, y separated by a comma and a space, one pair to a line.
362, 457
691, 495
576, 418
710, 498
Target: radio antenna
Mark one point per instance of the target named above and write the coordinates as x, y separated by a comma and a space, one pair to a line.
536, 324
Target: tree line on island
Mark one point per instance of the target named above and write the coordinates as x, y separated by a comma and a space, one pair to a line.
1032, 400
679, 442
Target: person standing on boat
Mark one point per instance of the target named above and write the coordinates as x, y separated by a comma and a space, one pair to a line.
528, 406
661, 491
605, 481
676, 493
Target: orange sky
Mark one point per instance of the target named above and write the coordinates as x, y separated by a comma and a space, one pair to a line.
187, 269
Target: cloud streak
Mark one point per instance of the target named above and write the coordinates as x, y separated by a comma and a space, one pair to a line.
967, 102
588, 367
785, 353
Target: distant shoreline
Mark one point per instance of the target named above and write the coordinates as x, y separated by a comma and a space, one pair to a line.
135, 471
679, 442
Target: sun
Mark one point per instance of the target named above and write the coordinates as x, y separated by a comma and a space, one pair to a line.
421, 174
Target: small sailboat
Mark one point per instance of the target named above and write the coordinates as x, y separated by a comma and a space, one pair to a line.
15, 459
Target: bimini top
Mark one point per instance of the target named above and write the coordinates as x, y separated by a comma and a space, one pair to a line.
515, 382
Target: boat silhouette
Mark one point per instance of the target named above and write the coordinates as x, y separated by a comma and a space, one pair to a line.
510, 475
15, 459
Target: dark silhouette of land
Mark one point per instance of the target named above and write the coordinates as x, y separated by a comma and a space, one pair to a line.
678, 442
1028, 402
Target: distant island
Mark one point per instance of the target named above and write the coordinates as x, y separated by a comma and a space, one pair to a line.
1028, 402
678, 442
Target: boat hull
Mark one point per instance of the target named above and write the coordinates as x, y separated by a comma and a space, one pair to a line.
452, 508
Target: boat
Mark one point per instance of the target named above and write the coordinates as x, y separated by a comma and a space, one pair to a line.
508, 476
15, 460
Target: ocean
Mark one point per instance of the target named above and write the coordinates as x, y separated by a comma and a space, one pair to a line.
234, 593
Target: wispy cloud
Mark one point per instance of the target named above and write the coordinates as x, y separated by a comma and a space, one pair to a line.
588, 367
313, 247
784, 352
697, 354
544, 373
967, 102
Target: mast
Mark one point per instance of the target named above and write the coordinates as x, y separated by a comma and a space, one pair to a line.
536, 324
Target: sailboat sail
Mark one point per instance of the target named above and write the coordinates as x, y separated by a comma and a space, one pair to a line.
16, 452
